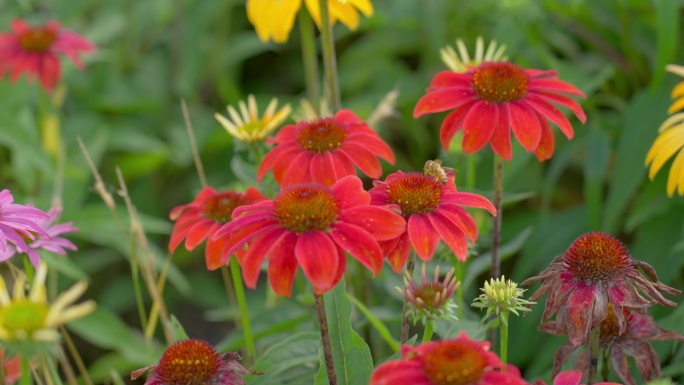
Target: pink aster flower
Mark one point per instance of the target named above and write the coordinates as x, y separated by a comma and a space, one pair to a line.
194, 362
493, 98
35, 50
571, 377
593, 279
433, 210
20, 224
459, 361
632, 342
204, 216
52, 242
325, 150
310, 225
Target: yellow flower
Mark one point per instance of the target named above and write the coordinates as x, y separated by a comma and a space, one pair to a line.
459, 61
247, 126
33, 318
670, 140
273, 19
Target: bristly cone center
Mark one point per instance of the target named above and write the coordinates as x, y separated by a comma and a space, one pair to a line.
304, 208
37, 39
596, 257
322, 135
454, 363
500, 82
220, 207
415, 193
189, 362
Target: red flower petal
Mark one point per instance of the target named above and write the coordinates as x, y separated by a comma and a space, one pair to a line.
450, 79
546, 144
450, 234
552, 113
298, 170
258, 250
461, 218
319, 259
478, 126
375, 144
525, 125
323, 169
359, 244
441, 100
363, 159
282, 265
198, 233
50, 71
423, 237
212, 252
565, 102
276, 160
399, 372
397, 252
241, 236
501, 138
554, 85
380, 222
452, 124
349, 192
580, 308
569, 377
469, 200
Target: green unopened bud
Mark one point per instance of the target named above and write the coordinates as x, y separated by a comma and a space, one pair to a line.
501, 296
430, 299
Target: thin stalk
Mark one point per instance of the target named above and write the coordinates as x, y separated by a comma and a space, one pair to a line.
459, 268
76, 356
605, 366
503, 345
410, 266
193, 144
309, 57
329, 60
593, 355
52, 369
26, 377
325, 339
429, 330
230, 292
242, 304
496, 231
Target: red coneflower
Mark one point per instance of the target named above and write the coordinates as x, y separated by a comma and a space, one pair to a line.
633, 342
202, 218
194, 362
596, 271
459, 361
325, 150
310, 225
494, 97
432, 208
34, 50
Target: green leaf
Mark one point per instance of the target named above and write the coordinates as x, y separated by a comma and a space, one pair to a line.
177, 329
352, 357
289, 359
377, 324
667, 16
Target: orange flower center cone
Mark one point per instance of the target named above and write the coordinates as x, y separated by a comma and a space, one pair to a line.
306, 208
220, 207
596, 257
455, 363
500, 82
190, 362
37, 39
322, 135
415, 193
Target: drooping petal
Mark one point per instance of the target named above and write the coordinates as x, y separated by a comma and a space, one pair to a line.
423, 236
282, 265
450, 234
397, 252
380, 222
525, 125
349, 192
501, 138
361, 245
580, 309
546, 143
552, 113
441, 100
453, 123
469, 200
479, 125
319, 259
260, 248
554, 85
363, 159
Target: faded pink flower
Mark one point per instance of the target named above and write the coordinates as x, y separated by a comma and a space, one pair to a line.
20, 224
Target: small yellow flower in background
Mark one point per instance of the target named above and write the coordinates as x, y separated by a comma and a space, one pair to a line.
459, 61
273, 19
670, 140
31, 317
247, 126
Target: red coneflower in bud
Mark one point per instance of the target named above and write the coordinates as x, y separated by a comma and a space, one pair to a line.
194, 362
595, 271
325, 150
459, 361
310, 225
433, 210
201, 219
34, 50
493, 98
633, 342
431, 298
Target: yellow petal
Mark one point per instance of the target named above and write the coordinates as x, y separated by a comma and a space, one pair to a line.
675, 69
364, 6
75, 312
664, 147
314, 11
345, 13
38, 287
678, 90
273, 19
68, 297
676, 106
4, 294
671, 121
676, 176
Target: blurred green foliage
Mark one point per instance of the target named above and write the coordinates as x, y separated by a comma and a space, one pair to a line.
125, 107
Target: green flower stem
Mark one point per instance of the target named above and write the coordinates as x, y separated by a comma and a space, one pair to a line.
503, 327
309, 57
377, 324
325, 339
329, 60
26, 377
52, 370
242, 304
594, 339
459, 268
496, 231
410, 266
429, 330
605, 368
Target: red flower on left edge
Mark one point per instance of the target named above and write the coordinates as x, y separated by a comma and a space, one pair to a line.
35, 50
202, 218
310, 225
